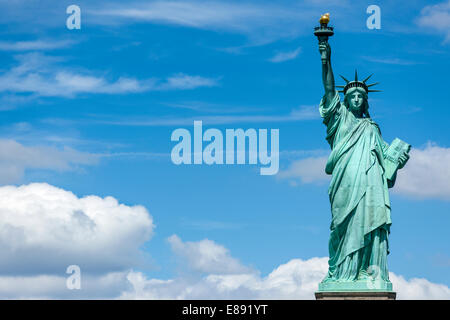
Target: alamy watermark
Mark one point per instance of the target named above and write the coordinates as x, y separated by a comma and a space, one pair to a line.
374, 20
190, 150
74, 20
73, 282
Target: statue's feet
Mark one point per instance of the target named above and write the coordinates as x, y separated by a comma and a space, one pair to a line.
364, 275
362, 285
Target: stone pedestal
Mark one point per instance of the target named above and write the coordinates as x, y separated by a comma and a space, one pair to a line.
375, 295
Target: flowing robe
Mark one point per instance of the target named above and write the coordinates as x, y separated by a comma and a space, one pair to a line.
358, 194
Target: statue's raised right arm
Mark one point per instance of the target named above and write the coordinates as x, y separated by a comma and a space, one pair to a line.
327, 72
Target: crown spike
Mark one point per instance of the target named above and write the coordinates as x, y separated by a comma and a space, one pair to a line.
344, 78
367, 78
357, 84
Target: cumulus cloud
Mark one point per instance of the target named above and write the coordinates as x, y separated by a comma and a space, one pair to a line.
436, 17
296, 279
307, 170
206, 256
106, 286
40, 75
16, 158
43, 229
418, 289
427, 173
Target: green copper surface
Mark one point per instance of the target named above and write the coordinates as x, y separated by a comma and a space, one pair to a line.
363, 167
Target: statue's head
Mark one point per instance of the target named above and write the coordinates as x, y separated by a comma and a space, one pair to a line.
356, 101
355, 95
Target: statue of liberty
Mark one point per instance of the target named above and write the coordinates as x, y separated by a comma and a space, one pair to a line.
363, 166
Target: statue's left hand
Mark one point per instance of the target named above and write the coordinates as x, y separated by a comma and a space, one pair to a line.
403, 159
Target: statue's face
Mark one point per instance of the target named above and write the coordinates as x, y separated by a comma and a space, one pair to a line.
356, 101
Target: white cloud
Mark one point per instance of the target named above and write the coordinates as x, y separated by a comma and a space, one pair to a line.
213, 15
16, 158
34, 45
285, 56
418, 289
296, 279
395, 61
305, 112
427, 173
184, 82
436, 17
38, 74
224, 277
198, 14
206, 256
261, 22
297, 114
307, 170
43, 229
107, 286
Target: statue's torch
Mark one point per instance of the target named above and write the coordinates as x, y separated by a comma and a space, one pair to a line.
323, 31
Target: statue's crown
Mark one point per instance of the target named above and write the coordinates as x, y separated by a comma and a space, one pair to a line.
357, 83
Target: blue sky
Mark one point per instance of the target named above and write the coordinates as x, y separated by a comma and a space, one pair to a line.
91, 112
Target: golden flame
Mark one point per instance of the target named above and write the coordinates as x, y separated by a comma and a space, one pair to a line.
325, 18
